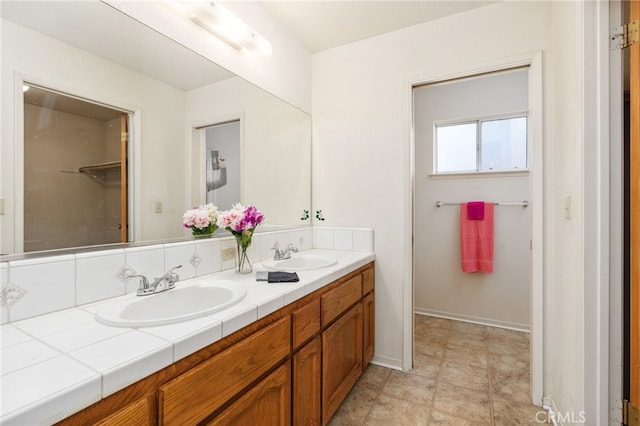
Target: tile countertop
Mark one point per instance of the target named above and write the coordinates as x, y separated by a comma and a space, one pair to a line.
57, 364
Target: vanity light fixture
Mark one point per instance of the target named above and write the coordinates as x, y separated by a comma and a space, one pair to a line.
222, 23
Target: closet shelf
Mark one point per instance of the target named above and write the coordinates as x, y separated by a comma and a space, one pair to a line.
100, 166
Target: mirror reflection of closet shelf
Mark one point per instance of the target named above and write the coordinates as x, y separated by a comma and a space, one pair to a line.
100, 171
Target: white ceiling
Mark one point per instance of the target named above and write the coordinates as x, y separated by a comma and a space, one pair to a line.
323, 24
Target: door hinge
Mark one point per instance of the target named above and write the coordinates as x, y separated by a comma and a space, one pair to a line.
630, 414
625, 35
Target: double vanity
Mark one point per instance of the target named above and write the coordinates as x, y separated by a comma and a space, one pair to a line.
287, 353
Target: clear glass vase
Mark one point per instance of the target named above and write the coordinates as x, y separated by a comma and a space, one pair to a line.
243, 264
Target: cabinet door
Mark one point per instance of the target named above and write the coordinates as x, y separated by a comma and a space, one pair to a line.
306, 384
341, 360
368, 328
268, 403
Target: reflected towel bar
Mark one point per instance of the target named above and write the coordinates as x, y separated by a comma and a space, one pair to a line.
524, 203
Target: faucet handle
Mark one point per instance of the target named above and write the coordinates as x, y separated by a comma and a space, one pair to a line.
171, 276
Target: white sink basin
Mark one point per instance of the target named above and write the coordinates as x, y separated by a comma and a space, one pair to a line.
178, 304
300, 262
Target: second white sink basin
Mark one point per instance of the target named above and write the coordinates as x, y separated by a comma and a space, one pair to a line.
171, 306
300, 262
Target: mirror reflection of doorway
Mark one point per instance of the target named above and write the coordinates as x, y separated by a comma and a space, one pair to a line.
75, 184
222, 153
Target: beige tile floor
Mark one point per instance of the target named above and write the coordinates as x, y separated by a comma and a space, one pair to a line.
464, 374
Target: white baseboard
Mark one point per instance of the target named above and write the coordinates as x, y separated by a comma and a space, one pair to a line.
474, 320
387, 362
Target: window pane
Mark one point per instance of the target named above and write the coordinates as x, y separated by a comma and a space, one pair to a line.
456, 148
504, 144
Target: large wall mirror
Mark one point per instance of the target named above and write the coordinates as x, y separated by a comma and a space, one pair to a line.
165, 98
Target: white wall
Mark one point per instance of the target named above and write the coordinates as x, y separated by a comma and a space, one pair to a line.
564, 292
286, 73
276, 152
56, 65
361, 157
440, 287
361, 129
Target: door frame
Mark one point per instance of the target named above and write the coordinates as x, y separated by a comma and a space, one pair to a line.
134, 228
533, 60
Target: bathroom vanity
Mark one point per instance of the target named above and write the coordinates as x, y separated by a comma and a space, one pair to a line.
292, 366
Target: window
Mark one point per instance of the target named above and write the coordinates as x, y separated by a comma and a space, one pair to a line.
481, 145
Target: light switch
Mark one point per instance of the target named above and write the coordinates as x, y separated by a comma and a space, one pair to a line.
1, 205
158, 206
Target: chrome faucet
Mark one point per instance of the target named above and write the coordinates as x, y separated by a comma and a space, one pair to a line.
168, 282
283, 254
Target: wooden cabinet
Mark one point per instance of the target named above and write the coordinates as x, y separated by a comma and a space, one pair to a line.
341, 359
294, 366
196, 394
268, 403
307, 384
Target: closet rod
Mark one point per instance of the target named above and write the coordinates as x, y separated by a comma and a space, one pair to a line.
524, 203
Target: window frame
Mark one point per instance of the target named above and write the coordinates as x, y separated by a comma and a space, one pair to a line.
478, 121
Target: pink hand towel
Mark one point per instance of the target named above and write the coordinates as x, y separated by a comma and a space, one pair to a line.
475, 210
476, 240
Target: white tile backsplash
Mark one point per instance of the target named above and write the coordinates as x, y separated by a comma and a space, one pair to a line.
147, 261
181, 254
50, 285
323, 238
302, 238
343, 239
96, 275
255, 249
363, 240
208, 253
59, 282
268, 240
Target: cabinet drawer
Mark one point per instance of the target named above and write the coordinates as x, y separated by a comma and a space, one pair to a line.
336, 301
306, 323
368, 280
136, 413
196, 394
